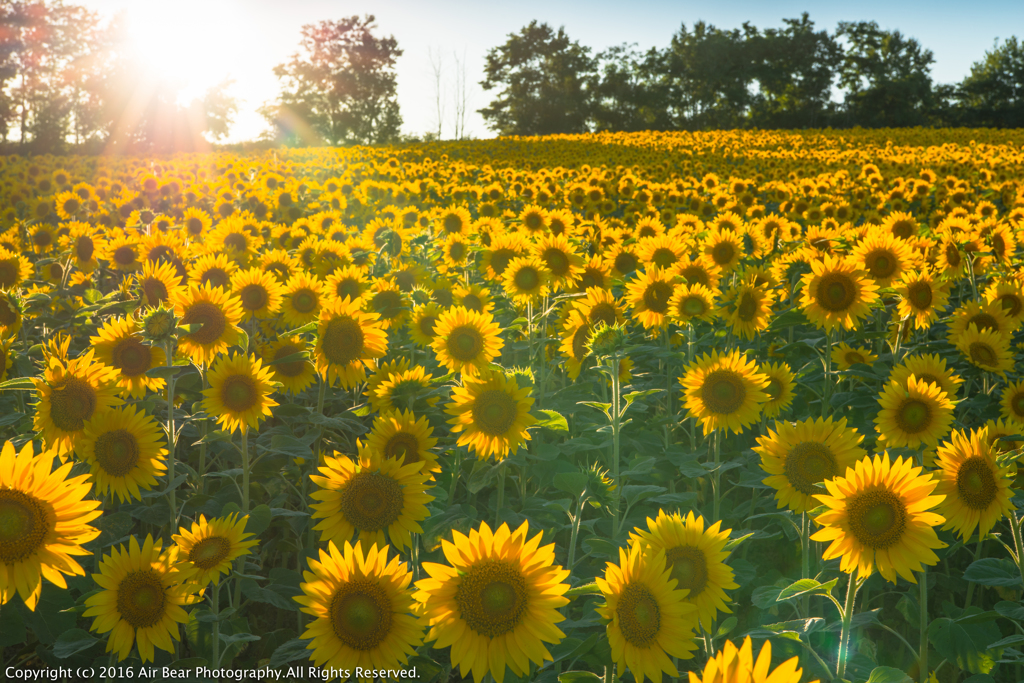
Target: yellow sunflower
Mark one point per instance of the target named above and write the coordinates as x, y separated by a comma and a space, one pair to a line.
362, 607
1012, 402
846, 356
258, 291
303, 296
576, 333
212, 546
239, 393
404, 388
695, 558
691, 303
649, 618
44, 521
497, 605
215, 316
466, 341
700, 273
389, 302
295, 375
503, 250
143, 591
976, 487
472, 297
599, 306
492, 413
927, 367
158, 281
14, 269
921, 297
124, 448
724, 391
348, 340
883, 256
836, 293
368, 498
561, 259
1010, 296
737, 665
912, 415
989, 316
986, 349
11, 313
748, 308
779, 389
424, 322
402, 436
119, 344
723, 249
526, 279
879, 517
649, 294
70, 393
799, 456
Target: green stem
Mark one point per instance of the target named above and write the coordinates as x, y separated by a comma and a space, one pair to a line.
844, 634
320, 411
1017, 542
501, 493
202, 443
805, 559
826, 392
171, 494
575, 532
216, 624
970, 584
616, 422
609, 673
716, 438
923, 655
240, 562
455, 477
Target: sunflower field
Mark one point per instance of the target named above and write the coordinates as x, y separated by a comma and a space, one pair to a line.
731, 407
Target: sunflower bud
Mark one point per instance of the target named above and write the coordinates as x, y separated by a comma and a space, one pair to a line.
607, 340
159, 324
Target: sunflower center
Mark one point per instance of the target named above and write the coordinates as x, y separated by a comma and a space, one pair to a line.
664, 257
579, 342
1011, 303
216, 277
24, 523
141, 598
747, 309
452, 223
657, 296
693, 306
212, 319
836, 292
342, 340
494, 412
235, 241
881, 264
42, 238
557, 261
920, 295
426, 325
500, 260
124, 255
117, 452
723, 253
291, 368
254, 297
689, 568
239, 393
639, 615
8, 274
304, 301
491, 597
625, 262
209, 552
983, 354
603, 312
854, 357
372, 501
347, 288
473, 303
361, 614
403, 445
131, 357
527, 279
774, 389
154, 289
878, 517
71, 404
913, 416
465, 343
975, 483
809, 463
388, 304
723, 392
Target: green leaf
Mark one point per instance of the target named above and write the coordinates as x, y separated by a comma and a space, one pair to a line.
726, 627
600, 548
887, 674
308, 327
552, 420
243, 340
585, 589
165, 371
18, 383
806, 587
291, 358
994, 571
73, 641
238, 638
965, 643
1010, 610
290, 651
636, 493
12, 628
573, 483
10, 418
577, 677
260, 518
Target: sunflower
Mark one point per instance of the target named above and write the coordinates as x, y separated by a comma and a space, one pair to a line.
44, 521
85, 242
239, 393
695, 558
493, 414
141, 597
662, 251
212, 269
303, 296
295, 375
846, 356
799, 456
737, 665
466, 341
912, 415
1010, 296
361, 606
621, 260
124, 448
879, 517
5, 358
700, 273
123, 251
1012, 402
975, 485
599, 306
724, 391
576, 332
497, 605
211, 546
921, 297
402, 436
70, 393
561, 260
649, 618
986, 349
595, 275
883, 256
411, 388
691, 303
424, 322
472, 297
158, 281
215, 313
723, 249
258, 291
836, 293
452, 220
119, 345
988, 316
369, 497
347, 282
649, 294
526, 279
279, 263
927, 368
779, 389
14, 269
748, 308
196, 222
389, 302
502, 251
348, 339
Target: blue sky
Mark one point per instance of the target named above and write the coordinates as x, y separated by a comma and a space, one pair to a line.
203, 41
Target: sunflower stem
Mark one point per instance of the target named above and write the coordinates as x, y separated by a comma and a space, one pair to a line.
826, 390
970, 584
923, 655
717, 479
320, 411
609, 673
805, 559
455, 477
844, 634
575, 531
1017, 542
171, 494
240, 562
616, 419
202, 442
215, 608
501, 493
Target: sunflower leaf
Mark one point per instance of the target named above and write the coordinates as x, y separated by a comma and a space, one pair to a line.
20, 383
994, 571
72, 642
290, 651
887, 674
806, 587
577, 677
308, 327
291, 358
553, 420
260, 518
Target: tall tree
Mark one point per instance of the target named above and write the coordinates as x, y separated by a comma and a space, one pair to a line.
886, 75
340, 85
627, 92
993, 93
542, 81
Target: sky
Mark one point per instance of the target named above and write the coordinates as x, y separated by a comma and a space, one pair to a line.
203, 42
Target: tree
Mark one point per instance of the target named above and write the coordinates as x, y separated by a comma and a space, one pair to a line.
340, 86
541, 77
993, 93
887, 77
627, 93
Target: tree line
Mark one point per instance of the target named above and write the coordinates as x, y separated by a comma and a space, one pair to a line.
795, 76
